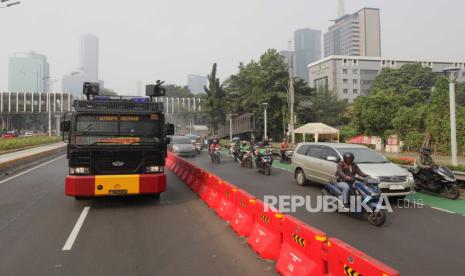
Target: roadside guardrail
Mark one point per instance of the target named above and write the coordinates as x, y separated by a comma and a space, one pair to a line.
297, 248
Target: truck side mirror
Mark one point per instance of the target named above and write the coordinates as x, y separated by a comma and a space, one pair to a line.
169, 129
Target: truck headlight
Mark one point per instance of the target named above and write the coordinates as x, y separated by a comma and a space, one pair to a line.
153, 169
79, 170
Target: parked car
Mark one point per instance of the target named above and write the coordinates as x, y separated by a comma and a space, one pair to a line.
10, 135
29, 133
317, 162
182, 146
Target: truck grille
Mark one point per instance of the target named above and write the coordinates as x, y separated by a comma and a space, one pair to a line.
117, 162
393, 179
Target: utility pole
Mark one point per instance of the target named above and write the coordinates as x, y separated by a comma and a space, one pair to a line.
265, 133
290, 67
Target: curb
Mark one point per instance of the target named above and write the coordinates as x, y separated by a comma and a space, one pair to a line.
11, 166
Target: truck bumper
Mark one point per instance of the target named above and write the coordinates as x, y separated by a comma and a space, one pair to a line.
108, 185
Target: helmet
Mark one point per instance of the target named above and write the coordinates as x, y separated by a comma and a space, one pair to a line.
244, 143
348, 157
425, 150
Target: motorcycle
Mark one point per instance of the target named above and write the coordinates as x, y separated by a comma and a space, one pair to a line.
198, 147
247, 159
235, 153
265, 162
438, 180
369, 192
286, 157
215, 154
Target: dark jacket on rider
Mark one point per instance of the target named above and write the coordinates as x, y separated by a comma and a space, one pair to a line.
343, 170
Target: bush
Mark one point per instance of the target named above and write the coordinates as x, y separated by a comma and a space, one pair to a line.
23, 142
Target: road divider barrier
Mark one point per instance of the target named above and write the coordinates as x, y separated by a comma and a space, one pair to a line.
303, 249
227, 204
344, 259
242, 220
266, 235
297, 248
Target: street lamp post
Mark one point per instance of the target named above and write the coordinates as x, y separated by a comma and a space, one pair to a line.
452, 73
265, 132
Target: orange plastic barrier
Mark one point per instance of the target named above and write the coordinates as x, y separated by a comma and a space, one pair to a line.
199, 182
242, 220
227, 204
299, 249
344, 259
213, 196
303, 249
210, 181
266, 235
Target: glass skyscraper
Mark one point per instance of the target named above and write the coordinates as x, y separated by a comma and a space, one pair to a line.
28, 72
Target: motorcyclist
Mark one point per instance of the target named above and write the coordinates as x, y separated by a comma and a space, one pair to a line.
346, 173
283, 147
260, 150
424, 160
214, 142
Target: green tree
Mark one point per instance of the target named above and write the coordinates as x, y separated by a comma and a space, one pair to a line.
263, 81
438, 116
373, 114
322, 107
213, 103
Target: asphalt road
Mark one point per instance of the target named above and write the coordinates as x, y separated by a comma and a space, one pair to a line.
415, 241
176, 235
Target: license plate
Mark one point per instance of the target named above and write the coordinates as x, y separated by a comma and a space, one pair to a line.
396, 187
118, 192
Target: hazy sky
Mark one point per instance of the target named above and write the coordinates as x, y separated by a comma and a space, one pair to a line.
168, 39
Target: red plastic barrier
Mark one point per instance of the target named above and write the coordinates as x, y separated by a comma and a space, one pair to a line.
266, 235
303, 249
199, 182
344, 259
193, 176
242, 220
227, 204
213, 197
187, 172
177, 167
205, 188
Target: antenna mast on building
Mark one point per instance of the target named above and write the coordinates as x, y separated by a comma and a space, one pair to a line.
341, 9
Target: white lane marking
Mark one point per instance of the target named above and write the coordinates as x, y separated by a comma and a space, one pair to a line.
73, 235
31, 169
444, 210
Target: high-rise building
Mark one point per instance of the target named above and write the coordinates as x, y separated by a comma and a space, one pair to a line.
196, 83
351, 76
307, 49
355, 34
89, 69
28, 72
89, 56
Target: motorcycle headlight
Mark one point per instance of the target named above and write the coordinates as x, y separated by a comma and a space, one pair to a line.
153, 169
79, 170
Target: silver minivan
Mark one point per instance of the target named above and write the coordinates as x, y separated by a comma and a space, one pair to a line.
317, 162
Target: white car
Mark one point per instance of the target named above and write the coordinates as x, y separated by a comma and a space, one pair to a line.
317, 162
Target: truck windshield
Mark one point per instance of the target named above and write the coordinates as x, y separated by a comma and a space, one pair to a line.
119, 129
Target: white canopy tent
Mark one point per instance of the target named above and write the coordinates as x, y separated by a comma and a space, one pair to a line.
318, 129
